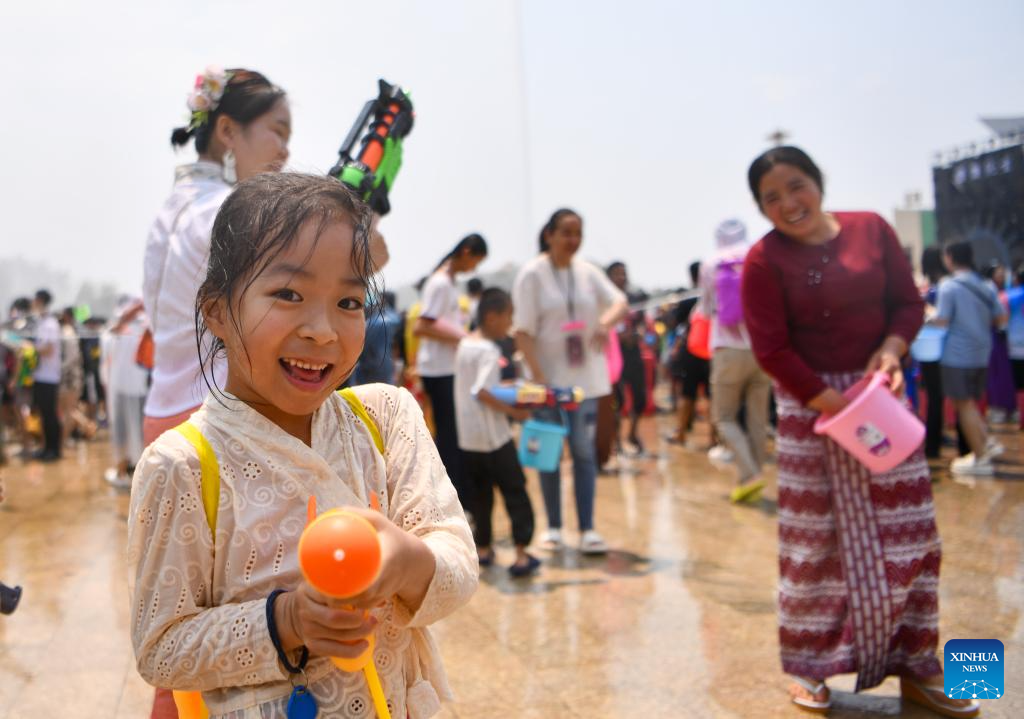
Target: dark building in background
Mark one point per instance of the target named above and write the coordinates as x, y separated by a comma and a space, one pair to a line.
979, 195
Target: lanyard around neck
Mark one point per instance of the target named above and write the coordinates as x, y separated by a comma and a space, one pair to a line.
570, 294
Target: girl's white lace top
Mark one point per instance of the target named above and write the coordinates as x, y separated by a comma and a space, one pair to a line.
199, 603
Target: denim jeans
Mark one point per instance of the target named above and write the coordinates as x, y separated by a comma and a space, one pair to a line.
582, 427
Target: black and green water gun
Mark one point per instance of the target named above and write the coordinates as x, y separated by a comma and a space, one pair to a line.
378, 132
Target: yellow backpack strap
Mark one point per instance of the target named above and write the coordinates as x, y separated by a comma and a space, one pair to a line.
349, 396
209, 482
190, 705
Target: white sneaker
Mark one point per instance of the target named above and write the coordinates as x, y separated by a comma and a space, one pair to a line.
592, 543
969, 464
551, 540
993, 448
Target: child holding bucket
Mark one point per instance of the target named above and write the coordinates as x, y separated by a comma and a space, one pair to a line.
828, 297
283, 298
485, 437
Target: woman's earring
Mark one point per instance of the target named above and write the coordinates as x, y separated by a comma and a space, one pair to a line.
228, 172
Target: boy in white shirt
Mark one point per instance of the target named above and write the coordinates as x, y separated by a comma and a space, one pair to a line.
485, 438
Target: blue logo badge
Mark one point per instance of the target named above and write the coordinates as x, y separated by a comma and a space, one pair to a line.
973, 668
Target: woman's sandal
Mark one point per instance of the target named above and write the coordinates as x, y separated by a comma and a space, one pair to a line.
935, 698
812, 704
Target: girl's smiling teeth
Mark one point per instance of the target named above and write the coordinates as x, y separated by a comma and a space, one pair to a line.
793, 219
303, 371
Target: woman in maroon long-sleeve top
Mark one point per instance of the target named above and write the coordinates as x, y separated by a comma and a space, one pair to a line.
826, 297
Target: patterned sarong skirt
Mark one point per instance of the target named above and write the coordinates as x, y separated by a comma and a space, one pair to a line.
859, 557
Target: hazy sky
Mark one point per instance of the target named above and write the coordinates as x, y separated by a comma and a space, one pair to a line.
643, 116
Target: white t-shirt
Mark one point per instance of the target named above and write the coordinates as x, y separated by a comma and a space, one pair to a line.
477, 367
541, 298
48, 336
121, 374
177, 253
435, 358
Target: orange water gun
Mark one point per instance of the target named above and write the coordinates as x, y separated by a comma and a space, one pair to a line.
371, 168
339, 555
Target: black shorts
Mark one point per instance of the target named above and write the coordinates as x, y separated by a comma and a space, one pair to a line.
696, 372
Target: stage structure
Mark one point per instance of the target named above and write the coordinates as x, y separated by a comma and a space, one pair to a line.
979, 194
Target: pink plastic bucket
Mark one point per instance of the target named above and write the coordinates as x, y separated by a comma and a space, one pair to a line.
876, 428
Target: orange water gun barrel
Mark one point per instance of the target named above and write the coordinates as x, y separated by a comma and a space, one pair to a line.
339, 556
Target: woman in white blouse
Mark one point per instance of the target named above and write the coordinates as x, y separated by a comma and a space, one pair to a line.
564, 309
240, 125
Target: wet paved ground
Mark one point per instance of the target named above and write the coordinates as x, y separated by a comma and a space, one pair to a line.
678, 621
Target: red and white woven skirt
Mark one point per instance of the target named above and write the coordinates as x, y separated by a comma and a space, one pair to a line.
859, 557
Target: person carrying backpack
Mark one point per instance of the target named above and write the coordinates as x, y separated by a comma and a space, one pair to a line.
736, 378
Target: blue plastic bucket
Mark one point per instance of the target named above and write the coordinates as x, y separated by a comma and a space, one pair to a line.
927, 346
540, 445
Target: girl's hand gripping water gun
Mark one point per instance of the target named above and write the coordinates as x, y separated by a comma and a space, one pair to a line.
340, 556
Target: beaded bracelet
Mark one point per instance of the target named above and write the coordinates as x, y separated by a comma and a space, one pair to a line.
272, 627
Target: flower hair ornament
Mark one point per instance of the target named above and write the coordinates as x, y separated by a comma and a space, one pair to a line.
206, 95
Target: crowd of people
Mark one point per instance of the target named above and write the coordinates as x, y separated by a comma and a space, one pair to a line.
260, 301
63, 379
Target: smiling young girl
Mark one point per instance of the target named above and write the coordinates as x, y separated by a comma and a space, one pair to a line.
283, 298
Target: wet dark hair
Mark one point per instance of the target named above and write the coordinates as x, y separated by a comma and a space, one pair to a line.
260, 220
473, 243
552, 224
784, 155
931, 264
961, 253
475, 286
494, 299
247, 96
21, 304
67, 316
614, 265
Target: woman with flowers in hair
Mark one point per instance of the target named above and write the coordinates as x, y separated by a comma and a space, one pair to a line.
240, 123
